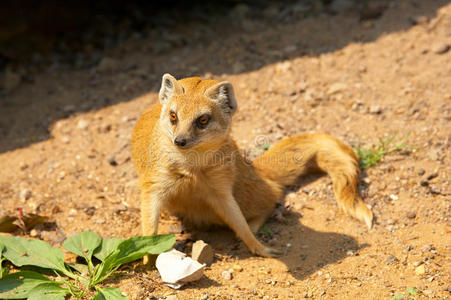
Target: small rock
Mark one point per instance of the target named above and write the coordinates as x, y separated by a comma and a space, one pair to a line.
421, 172
90, 211
391, 260
411, 214
424, 182
427, 248
419, 20
65, 139
227, 275
336, 88
202, 252
237, 268
205, 297
34, 233
420, 270
172, 297
73, 212
25, 194
82, 124
393, 197
418, 263
119, 208
268, 281
432, 176
367, 180
434, 189
440, 48
349, 253
112, 161
375, 109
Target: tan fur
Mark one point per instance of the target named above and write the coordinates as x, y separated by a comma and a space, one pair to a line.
209, 182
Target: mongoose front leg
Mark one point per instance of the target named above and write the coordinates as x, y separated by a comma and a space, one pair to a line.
150, 214
229, 211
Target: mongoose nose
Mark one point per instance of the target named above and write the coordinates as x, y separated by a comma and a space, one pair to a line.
181, 142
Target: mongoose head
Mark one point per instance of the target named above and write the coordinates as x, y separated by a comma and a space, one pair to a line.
196, 112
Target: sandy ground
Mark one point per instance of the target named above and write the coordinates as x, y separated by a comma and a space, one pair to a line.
65, 130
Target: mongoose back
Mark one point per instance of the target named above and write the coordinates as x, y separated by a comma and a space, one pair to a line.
189, 165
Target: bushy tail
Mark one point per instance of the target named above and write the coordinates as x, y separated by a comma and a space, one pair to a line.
297, 155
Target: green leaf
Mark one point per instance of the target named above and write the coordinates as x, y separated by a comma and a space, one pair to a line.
48, 291
107, 247
136, 247
412, 291
18, 285
132, 249
1, 260
81, 268
110, 293
33, 252
83, 244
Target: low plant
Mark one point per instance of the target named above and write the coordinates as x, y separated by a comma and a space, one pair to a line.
368, 157
81, 280
411, 293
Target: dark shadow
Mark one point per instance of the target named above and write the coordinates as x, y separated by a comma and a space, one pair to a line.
308, 252
185, 38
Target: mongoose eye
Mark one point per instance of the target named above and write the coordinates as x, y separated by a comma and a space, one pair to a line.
202, 121
173, 117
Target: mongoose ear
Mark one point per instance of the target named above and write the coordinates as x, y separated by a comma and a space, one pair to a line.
169, 88
223, 94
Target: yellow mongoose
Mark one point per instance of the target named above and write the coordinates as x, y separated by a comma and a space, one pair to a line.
189, 165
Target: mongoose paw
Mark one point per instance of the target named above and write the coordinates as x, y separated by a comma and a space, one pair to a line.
268, 252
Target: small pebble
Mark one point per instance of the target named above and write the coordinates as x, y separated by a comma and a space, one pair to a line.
393, 197
82, 124
237, 268
375, 110
420, 270
25, 194
34, 233
417, 263
205, 297
411, 214
440, 48
427, 248
227, 275
421, 172
112, 161
432, 176
391, 260
65, 139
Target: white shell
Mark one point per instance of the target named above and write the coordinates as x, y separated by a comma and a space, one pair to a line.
176, 268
